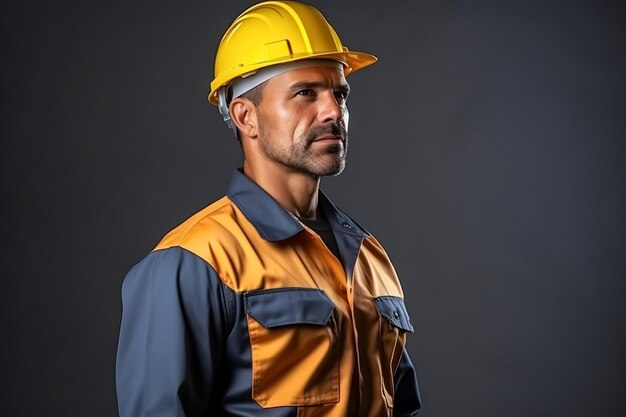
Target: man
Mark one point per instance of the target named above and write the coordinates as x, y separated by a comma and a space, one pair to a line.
271, 301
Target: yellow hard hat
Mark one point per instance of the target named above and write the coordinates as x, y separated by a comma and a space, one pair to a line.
276, 32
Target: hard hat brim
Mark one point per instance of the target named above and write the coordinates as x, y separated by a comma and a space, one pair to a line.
351, 60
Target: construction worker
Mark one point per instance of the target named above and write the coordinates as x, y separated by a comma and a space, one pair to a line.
271, 301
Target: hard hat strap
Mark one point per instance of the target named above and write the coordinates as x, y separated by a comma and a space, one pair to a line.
222, 106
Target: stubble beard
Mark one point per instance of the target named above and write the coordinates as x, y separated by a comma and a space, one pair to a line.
304, 155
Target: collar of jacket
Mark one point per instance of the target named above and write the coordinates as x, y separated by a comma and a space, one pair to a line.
273, 221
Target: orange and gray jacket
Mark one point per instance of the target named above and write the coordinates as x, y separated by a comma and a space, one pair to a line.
243, 311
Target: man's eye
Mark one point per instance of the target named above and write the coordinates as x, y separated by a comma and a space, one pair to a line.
306, 92
341, 95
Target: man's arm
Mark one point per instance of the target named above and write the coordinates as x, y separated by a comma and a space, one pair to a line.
174, 323
407, 401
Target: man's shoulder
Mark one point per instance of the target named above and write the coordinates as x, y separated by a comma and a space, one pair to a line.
200, 228
205, 238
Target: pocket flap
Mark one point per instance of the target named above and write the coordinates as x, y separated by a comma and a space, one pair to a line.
288, 306
393, 309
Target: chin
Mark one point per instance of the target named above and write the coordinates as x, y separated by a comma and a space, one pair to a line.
334, 170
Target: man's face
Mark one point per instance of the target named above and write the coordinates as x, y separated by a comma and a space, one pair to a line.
303, 120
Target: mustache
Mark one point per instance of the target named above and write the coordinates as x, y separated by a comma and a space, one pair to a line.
333, 128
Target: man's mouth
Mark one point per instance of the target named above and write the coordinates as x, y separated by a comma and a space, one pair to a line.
329, 139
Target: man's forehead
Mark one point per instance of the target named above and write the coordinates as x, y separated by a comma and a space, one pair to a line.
319, 74
265, 75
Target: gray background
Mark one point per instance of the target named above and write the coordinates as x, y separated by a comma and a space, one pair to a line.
488, 155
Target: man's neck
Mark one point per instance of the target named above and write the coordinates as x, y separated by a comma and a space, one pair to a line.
295, 191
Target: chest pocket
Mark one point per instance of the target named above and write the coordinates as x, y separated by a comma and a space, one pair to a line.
295, 356
394, 323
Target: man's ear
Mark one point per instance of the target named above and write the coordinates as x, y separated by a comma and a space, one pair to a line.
243, 113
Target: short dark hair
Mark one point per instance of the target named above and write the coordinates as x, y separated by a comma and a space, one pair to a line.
255, 94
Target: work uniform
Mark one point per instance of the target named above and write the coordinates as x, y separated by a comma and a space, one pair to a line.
242, 310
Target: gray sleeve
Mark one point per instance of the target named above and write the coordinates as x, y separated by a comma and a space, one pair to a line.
176, 317
407, 401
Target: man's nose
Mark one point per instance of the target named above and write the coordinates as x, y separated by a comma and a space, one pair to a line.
330, 110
